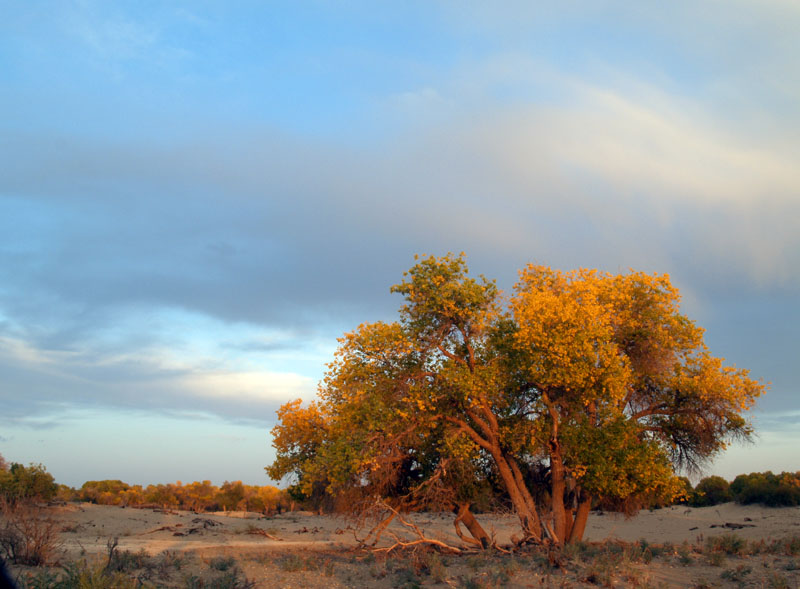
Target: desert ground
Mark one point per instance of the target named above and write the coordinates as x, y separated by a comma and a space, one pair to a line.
722, 546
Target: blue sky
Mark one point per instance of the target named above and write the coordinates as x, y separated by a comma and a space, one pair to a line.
198, 198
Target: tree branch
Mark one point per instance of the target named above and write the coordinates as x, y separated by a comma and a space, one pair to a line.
475, 436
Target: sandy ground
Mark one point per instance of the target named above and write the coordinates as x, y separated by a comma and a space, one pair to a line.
88, 527
303, 549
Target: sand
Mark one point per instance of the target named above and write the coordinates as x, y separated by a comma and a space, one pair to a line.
322, 544
90, 526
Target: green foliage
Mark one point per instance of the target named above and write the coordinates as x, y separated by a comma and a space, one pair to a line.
766, 488
21, 483
82, 575
711, 490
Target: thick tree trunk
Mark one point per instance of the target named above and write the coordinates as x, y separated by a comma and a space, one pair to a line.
465, 516
581, 516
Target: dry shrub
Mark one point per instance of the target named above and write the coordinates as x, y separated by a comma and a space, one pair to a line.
29, 534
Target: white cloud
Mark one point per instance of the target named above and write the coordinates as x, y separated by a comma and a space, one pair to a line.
255, 387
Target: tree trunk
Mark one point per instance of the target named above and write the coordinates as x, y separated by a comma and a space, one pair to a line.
582, 515
527, 515
515, 486
570, 519
465, 516
557, 486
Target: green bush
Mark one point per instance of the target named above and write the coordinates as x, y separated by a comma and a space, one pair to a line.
711, 490
767, 489
23, 483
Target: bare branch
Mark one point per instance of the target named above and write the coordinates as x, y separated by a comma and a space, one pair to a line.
403, 543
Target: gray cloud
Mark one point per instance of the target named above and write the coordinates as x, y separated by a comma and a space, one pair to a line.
509, 158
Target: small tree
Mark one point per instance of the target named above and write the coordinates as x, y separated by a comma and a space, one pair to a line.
711, 490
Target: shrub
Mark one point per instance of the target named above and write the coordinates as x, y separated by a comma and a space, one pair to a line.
711, 490
727, 543
736, 575
79, 575
222, 563
29, 534
26, 483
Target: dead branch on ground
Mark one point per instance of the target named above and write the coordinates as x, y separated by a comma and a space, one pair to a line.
400, 542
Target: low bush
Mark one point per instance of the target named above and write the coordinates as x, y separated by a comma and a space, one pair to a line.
29, 535
727, 544
222, 563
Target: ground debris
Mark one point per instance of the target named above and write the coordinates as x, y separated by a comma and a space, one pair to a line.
205, 522
260, 532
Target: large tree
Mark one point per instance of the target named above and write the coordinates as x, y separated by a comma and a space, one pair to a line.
583, 385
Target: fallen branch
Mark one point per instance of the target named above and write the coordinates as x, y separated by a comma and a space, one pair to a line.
259, 532
421, 538
377, 530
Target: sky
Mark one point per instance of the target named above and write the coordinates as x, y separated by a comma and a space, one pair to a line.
198, 197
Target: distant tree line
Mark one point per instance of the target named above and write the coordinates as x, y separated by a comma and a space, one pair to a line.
765, 488
34, 483
196, 496
19, 483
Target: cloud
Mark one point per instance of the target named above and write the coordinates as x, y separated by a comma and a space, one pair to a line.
617, 173
679, 159
179, 380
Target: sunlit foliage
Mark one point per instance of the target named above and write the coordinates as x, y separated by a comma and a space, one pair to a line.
581, 386
196, 496
26, 483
